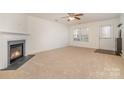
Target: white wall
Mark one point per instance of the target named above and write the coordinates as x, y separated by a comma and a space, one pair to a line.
93, 33
122, 21
13, 22
46, 35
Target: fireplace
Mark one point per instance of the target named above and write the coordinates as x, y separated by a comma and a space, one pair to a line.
16, 50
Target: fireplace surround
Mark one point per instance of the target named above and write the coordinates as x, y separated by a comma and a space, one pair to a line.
16, 50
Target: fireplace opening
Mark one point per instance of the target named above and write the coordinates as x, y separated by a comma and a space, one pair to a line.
16, 51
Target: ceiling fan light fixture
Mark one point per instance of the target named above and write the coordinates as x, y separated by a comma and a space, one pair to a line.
71, 18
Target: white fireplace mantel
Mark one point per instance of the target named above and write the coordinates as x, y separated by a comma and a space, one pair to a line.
6, 36
13, 33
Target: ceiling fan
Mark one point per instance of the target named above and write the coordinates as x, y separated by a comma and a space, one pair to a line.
73, 16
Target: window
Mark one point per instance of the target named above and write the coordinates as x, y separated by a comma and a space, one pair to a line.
105, 32
80, 34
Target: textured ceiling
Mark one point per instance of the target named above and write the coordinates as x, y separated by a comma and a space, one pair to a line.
88, 17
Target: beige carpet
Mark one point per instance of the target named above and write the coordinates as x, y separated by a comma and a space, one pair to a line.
69, 62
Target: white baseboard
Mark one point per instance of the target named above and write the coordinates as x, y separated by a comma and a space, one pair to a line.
122, 54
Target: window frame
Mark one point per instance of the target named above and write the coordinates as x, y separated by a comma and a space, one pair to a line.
80, 32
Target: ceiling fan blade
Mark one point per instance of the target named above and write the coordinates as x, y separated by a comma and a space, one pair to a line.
65, 17
80, 14
71, 14
77, 18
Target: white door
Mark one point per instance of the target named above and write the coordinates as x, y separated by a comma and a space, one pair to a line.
106, 40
